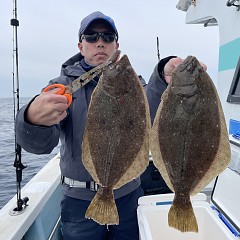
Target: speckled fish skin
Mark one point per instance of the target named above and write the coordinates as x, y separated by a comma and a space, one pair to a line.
189, 140
116, 140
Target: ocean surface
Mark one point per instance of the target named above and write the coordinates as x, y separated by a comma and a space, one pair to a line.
7, 153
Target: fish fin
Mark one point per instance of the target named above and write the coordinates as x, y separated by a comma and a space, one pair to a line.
139, 164
181, 216
222, 158
102, 208
87, 158
156, 149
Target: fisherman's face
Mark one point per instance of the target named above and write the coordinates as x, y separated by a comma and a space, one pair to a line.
100, 51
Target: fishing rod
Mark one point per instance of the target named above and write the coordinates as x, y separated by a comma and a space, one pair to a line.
21, 203
158, 52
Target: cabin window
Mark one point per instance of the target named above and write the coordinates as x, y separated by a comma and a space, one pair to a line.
234, 93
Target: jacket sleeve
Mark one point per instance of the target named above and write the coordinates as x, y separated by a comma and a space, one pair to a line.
156, 86
35, 139
38, 139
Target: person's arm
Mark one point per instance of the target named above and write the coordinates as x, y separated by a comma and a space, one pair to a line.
156, 86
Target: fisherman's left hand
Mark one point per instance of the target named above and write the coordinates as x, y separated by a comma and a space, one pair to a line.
171, 65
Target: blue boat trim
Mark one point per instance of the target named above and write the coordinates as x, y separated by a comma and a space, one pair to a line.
237, 136
234, 128
228, 55
164, 203
226, 222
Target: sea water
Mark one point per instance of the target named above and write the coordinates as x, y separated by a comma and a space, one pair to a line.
7, 153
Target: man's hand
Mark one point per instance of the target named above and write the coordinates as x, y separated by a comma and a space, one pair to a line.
171, 65
47, 109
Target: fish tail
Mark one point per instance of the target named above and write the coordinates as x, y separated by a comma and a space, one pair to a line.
102, 208
181, 215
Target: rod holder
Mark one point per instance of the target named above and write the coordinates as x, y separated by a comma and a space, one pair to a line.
231, 3
21, 207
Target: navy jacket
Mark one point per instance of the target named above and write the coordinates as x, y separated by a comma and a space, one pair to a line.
42, 140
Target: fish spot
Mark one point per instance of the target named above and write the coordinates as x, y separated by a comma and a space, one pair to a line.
131, 122
103, 121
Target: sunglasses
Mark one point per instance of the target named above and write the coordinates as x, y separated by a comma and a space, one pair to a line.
94, 37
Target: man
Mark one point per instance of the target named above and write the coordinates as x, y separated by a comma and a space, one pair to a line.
41, 123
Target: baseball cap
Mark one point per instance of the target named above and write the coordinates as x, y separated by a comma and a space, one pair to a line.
96, 16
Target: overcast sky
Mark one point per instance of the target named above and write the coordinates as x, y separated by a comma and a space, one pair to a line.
47, 36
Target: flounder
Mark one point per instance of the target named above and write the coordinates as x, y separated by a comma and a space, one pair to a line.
189, 140
115, 147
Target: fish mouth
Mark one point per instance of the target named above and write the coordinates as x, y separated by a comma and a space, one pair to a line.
116, 56
186, 74
189, 64
117, 59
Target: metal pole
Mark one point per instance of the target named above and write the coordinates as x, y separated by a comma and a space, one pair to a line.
17, 163
158, 53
